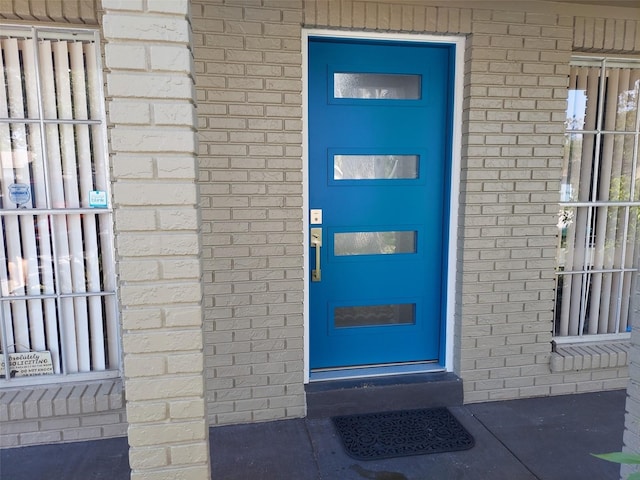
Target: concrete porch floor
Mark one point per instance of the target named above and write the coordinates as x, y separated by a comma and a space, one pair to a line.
543, 438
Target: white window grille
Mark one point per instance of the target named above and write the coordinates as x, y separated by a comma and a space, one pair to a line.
57, 279
599, 216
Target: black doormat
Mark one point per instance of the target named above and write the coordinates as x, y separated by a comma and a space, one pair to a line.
373, 436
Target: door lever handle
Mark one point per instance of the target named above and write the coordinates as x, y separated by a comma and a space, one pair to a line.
316, 241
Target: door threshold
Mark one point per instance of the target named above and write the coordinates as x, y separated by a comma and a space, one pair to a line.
322, 375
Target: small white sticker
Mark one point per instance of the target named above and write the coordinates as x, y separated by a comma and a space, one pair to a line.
98, 199
19, 193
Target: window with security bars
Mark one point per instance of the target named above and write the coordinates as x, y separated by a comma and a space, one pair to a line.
599, 217
57, 280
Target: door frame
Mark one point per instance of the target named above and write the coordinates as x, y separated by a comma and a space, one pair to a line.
447, 350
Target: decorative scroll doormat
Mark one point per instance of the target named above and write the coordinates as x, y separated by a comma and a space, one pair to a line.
373, 436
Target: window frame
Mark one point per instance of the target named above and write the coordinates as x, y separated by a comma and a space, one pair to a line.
103, 215
603, 62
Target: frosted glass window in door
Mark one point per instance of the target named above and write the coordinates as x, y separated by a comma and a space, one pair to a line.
375, 167
374, 315
377, 86
374, 243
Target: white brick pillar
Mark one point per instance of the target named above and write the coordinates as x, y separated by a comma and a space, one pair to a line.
150, 99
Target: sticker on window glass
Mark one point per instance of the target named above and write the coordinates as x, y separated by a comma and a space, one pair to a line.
19, 193
98, 199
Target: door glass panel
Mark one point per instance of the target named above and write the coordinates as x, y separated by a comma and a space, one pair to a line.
374, 243
376, 86
365, 316
374, 167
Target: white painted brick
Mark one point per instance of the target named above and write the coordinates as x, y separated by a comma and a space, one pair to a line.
178, 167
132, 245
126, 166
182, 386
151, 342
156, 193
130, 112
148, 85
189, 454
186, 408
144, 365
174, 114
185, 363
135, 220
165, 433
183, 317
179, 268
144, 412
149, 457
139, 270
157, 294
161, 140
126, 56
186, 472
170, 58
120, 26
178, 219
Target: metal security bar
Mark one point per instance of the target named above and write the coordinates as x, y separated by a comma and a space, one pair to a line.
57, 279
599, 215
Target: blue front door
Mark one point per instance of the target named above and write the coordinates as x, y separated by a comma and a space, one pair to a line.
379, 157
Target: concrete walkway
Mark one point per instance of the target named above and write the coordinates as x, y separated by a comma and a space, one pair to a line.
543, 438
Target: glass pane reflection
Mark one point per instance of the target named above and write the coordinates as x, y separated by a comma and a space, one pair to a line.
366, 316
610, 179
374, 243
620, 92
376, 86
374, 167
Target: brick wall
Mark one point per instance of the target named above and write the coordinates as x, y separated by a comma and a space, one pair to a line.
248, 82
150, 98
516, 74
248, 66
515, 93
249, 116
516, 67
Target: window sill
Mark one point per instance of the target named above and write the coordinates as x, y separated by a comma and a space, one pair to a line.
59, 400
589, 356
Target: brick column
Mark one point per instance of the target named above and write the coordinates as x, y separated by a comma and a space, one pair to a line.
150, 98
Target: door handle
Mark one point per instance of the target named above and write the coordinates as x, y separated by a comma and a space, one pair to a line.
316, 241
